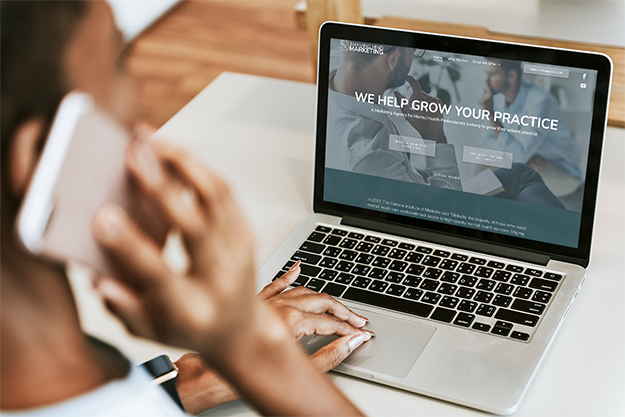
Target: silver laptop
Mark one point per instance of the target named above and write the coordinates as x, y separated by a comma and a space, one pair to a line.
454, 196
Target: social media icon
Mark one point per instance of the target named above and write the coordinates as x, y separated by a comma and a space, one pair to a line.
582, 85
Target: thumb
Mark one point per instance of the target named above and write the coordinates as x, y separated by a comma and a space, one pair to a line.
331, 355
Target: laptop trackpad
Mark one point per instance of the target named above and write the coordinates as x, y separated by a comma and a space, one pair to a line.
394, 349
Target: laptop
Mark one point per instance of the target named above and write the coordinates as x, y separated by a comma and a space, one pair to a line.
455, 187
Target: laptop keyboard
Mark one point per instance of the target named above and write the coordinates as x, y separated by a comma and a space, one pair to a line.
478, 293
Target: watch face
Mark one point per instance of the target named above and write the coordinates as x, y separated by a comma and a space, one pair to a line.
159, 366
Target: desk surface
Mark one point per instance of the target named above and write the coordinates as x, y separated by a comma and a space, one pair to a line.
258, 133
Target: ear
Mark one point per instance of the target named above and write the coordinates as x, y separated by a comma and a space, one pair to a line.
393, 58
513, 76
24, 155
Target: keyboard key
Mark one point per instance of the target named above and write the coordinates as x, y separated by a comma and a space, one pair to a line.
357, 236
541, 297
397, 253
464, 319
386, 301
379, 286
504, 289
364, 247
334, 289
328, 262
431, 260
520, 279
344, 266
515, 268
406, 246
502, 300
431, 297
423, 249
447, 288
477, 261
519, 336
364, 259
411, 281
312, 247
381, 262
301, 280
306, 258
543, 284
467, 281
348, 243
328, 274
449, 302
441, 253
483, 272
528, 307
344, 278
380, 250
348, 255
459, 257
496, 265
465, 292
502, 328
551, 275
449, 276
443, 314
414, 257
448, 264
315, 284
413, 293
483, 327
483, 296
522, 292
534, 272
332, 240
501, 275
465, 268
378, 273
332, 251
361, 282
485, 284
361, 269
517, 317
339, 232
395, 289
466, 305
288, 265
389, 242
415, 269
485, 310
429, 285
398, 265
316, 237
372, 239
395, 277
433, 273
311, 271
323, 229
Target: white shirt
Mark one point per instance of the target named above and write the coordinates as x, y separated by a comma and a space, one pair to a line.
132, 396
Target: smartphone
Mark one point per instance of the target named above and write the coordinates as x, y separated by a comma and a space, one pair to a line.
80, 169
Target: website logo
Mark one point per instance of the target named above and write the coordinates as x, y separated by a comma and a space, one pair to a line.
366, 48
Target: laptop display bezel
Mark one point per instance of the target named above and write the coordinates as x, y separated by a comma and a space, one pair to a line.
504, 50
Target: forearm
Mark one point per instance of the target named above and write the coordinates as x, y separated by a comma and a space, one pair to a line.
274, 375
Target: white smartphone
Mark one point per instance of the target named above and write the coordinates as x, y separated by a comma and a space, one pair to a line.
80, 169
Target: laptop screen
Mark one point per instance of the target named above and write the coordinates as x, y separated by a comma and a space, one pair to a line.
487, 140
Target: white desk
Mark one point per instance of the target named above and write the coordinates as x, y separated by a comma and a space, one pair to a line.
259, 134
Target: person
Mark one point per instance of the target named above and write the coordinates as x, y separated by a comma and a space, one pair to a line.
360, 137
47, 365
507, 92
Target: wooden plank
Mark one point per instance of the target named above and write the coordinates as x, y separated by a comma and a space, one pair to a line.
616, 116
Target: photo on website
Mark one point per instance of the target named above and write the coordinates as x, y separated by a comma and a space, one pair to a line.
489, 128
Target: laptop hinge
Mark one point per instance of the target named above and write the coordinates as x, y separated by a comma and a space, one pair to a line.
441, 238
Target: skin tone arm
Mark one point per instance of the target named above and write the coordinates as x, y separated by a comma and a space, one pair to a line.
486, 101
202, 310
305, 312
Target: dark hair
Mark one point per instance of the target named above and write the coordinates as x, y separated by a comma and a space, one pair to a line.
508, 65
34, 37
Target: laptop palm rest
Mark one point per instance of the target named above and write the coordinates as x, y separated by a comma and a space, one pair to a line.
394, 350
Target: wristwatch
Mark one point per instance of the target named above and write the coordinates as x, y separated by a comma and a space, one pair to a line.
165, 373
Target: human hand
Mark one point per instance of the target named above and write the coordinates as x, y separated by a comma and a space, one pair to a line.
428, 129
306, 312
215, 296
486, 100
